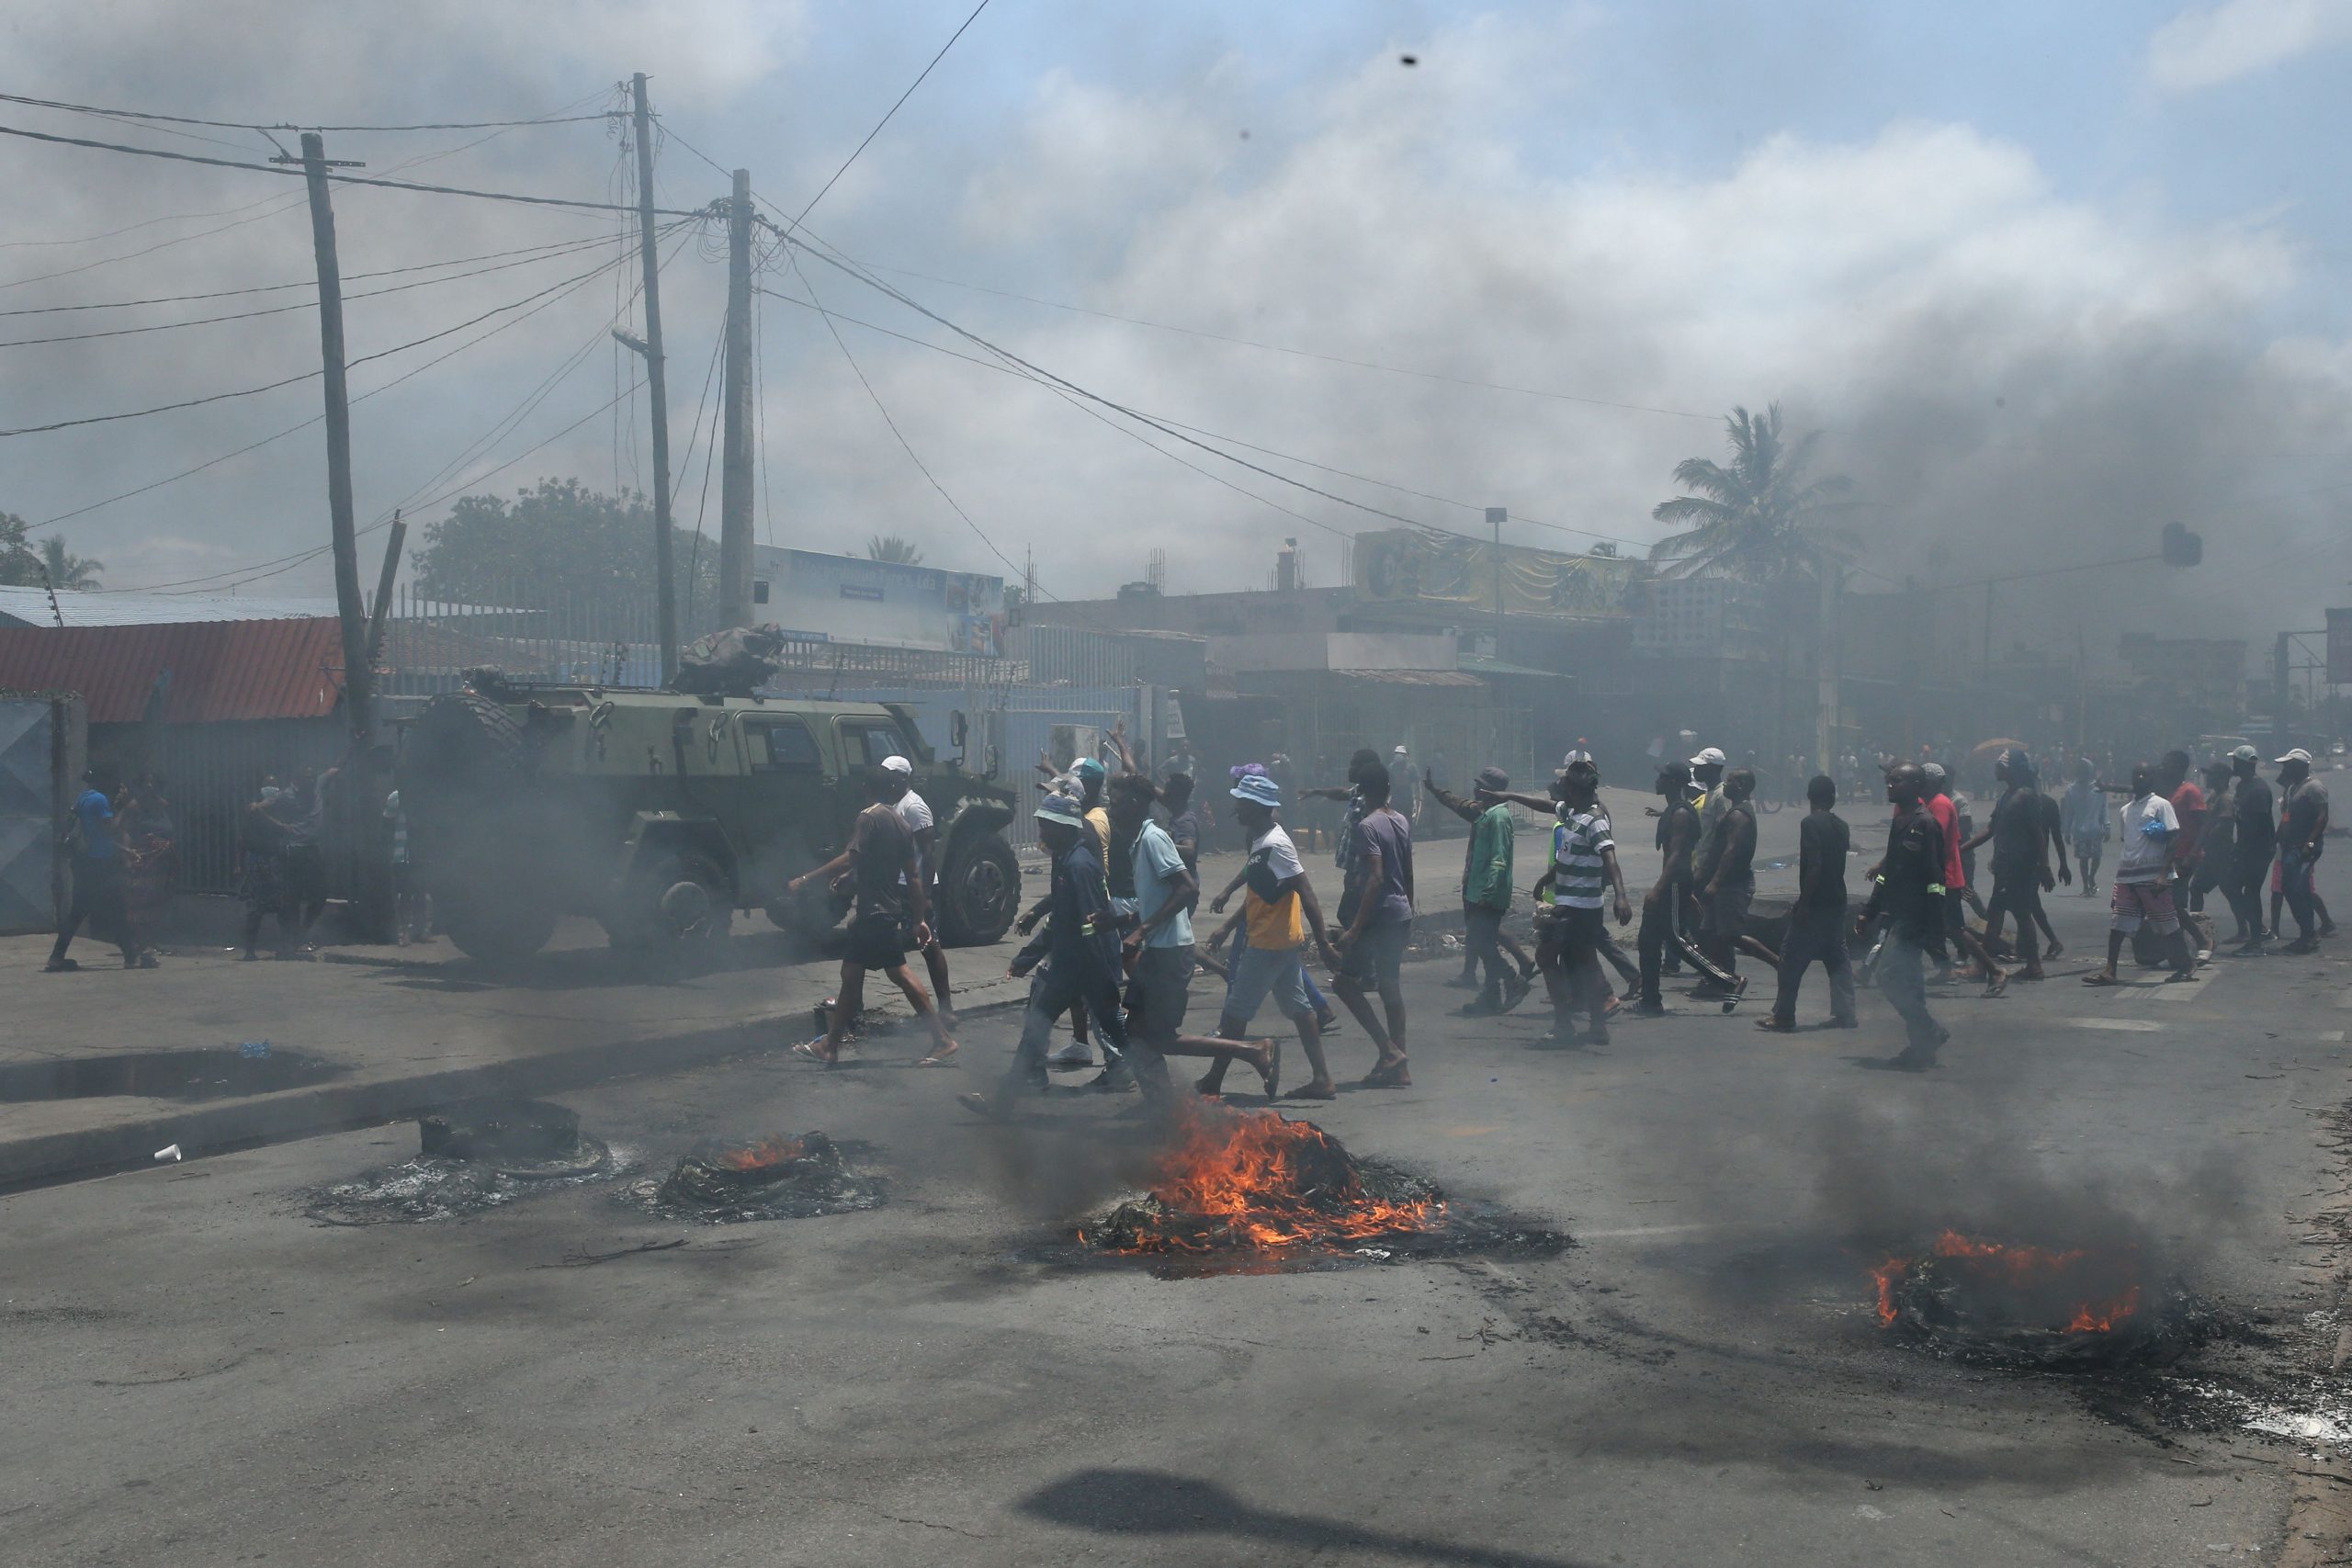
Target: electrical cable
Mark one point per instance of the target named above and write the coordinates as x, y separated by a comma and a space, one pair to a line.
300, 305
290, 124
305, 425
305, 375
894, 109
292, 172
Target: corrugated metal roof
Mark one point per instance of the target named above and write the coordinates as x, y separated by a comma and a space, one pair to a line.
1450, 678
216, 670
29, 606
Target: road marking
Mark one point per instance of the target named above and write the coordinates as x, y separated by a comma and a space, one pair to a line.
1639, 1231
2330, 1037
2135, 1025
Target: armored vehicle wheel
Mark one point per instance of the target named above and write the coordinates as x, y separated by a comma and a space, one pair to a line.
495, 928
677, 897
980, 890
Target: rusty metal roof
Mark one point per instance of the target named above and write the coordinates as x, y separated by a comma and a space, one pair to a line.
212, 670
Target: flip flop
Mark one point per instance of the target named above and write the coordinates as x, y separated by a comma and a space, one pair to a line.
1272, 1074
1774, 1026
944, 1057
2179, 976
1395, 1076
1996, 988
1303, 1092
2096, 978
807, 1051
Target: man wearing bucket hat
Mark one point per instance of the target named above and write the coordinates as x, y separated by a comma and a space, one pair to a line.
1075, 961
1281, 916
1083, 784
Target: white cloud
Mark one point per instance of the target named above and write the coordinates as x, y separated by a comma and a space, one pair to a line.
2224, 40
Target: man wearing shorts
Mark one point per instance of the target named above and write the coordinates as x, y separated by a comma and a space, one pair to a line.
2144, 880
1279, 916
1380, 921
2082, 816
888, 898
1159, 948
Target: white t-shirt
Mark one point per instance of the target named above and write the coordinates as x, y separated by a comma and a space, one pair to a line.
2145, 854
916, 813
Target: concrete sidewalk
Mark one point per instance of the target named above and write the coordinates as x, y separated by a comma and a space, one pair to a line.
390, 1032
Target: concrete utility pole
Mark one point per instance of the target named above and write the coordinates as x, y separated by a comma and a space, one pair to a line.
1495, 517
735, 470
1826, 672
656, 388
358, 693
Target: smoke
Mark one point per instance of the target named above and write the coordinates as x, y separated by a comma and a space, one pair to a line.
2019, 370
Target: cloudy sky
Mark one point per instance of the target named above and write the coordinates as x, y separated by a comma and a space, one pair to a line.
2047, 276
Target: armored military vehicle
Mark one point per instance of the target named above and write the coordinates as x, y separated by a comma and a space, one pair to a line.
661, 813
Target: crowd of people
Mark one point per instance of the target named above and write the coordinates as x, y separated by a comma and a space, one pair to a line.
1117, 940
122, 847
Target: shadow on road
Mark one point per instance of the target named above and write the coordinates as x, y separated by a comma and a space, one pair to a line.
1148, 1502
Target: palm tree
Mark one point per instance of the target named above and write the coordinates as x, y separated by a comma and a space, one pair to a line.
68, 570
892, 549
1757, 519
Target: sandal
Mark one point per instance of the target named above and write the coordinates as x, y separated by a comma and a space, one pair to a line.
1396, 1074
1271, 1073
943, 1056
1308, 1091
812, 1051
2100, 977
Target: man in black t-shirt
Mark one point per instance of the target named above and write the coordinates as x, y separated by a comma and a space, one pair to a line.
887, 896
1817, 923
2017, 833
1908, 889
2256, 811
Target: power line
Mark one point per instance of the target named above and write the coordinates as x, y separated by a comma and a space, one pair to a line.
555, 248
290, 124
574, 249
305, 375
1300, 352
894, 109
292, 172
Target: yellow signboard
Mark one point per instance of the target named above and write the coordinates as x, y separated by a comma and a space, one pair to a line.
1406, 565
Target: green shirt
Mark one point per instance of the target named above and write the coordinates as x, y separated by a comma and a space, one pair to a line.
1486, 870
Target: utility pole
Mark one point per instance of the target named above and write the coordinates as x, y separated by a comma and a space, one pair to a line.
365, 884
1827, 671
735, 472
657, 387
1495, 517
357, 696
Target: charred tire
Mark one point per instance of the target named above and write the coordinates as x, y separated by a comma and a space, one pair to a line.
979, 891
492, 926
676, 898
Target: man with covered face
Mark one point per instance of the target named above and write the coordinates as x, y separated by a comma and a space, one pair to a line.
1908, 889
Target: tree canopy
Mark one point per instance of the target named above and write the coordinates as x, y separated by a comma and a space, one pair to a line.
558, 540
891, 547
1756, 519
22, 562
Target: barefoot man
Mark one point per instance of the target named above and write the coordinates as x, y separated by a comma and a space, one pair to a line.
890, 901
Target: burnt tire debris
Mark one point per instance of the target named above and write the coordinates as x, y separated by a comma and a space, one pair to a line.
773, 1178
472, 1159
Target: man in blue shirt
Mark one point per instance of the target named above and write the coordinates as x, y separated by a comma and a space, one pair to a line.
97, 882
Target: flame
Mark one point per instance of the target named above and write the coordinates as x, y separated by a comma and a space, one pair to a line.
760, 1154
1266, 1181
2013, 1265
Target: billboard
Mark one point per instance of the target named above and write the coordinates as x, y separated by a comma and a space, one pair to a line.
1407, 564
885, 603
2339, 648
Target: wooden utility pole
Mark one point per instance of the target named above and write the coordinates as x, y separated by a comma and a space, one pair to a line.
385, 577
358, 693
657, 387
735, 472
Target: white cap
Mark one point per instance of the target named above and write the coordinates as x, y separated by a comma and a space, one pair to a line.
1398, 752
898, 765
1712, 757
2297, 755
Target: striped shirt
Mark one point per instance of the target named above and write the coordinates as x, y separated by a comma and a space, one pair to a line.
1579, 841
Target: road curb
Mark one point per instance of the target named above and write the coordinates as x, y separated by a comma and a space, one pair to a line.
290, 1114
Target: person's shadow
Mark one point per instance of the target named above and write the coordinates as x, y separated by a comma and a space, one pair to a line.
1148, 1502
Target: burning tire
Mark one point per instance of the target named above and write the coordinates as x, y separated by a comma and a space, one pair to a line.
2018, 1304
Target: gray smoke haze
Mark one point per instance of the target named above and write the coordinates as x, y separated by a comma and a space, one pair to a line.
2017, 372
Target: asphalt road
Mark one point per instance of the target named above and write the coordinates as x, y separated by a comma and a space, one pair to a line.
198, 1374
